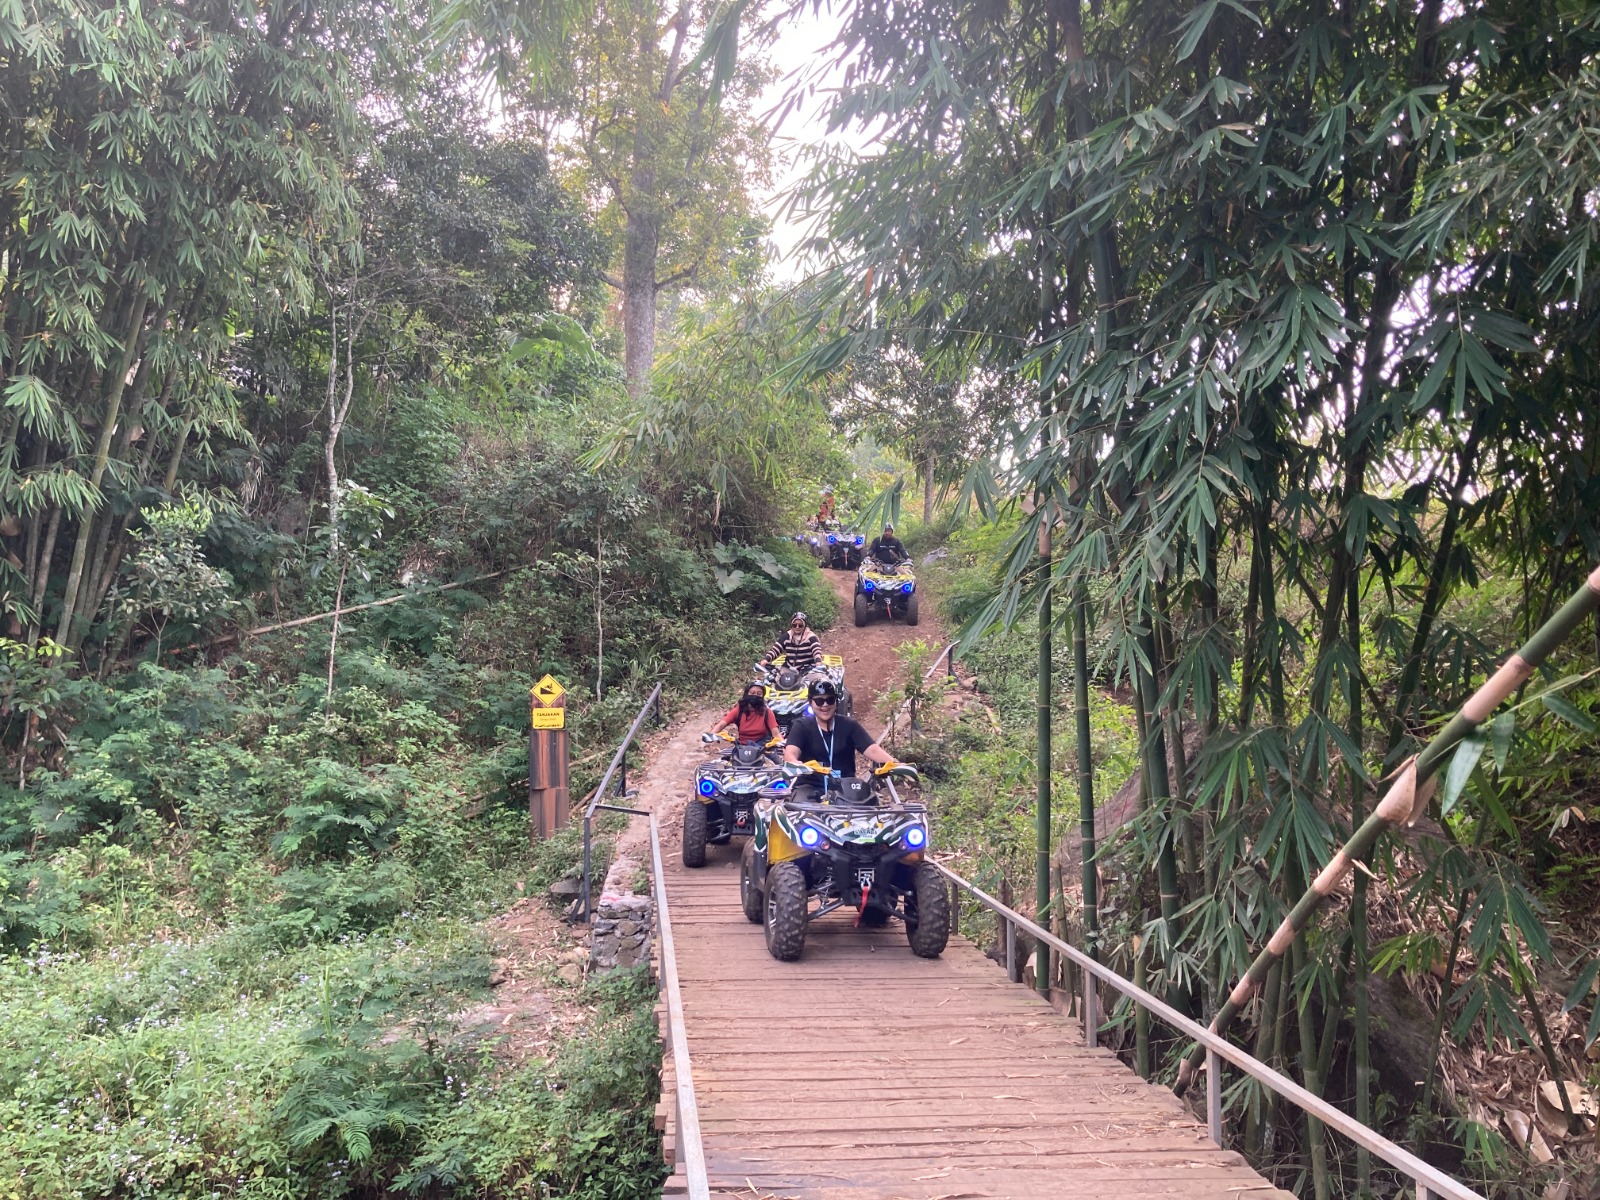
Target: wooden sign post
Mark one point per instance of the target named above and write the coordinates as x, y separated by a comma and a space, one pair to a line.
548, 767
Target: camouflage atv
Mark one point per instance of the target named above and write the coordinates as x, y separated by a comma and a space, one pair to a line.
726, 789
856, 846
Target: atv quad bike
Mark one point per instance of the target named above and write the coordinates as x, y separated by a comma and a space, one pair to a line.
786, 689
845, 550
820, 538
726, 789
856, 846
887, 589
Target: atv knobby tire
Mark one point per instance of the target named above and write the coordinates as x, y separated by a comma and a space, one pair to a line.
928, 929
911, 607
694, 833
862, 609
786, 911
749, 894
847, 702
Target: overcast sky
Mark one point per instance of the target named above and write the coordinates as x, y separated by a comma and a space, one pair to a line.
800, 43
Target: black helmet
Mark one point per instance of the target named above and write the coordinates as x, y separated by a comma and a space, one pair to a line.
822, 689
799, 616
888, 528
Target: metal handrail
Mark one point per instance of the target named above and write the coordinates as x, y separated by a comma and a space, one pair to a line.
618, 760
1429, 1180
688, 1132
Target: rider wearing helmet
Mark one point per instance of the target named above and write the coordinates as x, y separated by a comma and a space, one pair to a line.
801, 649
825, 509
887, 548
755, 721
830, 739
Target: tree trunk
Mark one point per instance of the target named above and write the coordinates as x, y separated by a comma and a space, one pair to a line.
927, 490
639, 293
102, 454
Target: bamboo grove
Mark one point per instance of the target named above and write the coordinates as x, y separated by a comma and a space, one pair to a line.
129, 260
1304, 296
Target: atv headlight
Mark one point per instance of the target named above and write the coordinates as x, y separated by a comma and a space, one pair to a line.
778, 785
916, 837
708, 787
906, 588
861, 541
810, 837
832, 539
867, 585
813, 541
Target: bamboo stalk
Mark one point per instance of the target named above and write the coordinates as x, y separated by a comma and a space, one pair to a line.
1086, 833
1405, 800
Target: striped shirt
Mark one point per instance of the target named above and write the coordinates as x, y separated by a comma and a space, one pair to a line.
802, 651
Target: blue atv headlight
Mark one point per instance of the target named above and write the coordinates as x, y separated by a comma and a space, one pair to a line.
867, 585
861, 541
813, 541
916, 837
906, 588
779, 785
708, 787
832, 539
809, 837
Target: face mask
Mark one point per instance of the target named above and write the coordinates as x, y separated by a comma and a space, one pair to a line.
757, 701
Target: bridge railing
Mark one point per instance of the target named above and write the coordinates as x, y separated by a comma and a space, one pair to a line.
618, 770
690, 1149
689, 1146
1430, 1182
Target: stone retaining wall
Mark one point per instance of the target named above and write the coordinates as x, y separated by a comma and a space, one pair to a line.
623, 930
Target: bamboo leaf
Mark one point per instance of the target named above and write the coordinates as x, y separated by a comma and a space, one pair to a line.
1461, 765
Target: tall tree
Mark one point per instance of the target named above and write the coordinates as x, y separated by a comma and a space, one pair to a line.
667, 154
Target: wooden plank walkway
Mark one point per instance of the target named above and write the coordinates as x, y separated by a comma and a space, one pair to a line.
862, 1071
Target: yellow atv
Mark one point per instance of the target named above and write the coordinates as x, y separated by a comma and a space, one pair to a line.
887, 589
786, 689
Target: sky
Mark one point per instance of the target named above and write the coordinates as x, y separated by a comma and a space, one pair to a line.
800, 42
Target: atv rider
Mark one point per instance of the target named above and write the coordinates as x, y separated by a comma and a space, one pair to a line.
825, 512
887, 549
829, 739
801, 649
755, 721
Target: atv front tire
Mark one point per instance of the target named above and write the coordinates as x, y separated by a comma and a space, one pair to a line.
846, 702
911, 607
862, 609
694, 833
749, 894
786, 911
928, 919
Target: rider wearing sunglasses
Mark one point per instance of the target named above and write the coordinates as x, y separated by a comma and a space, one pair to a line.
829, 738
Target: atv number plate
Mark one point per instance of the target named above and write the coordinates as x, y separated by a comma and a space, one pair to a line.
865, 876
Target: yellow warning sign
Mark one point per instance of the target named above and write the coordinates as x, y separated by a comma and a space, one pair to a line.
547, 691
549, 718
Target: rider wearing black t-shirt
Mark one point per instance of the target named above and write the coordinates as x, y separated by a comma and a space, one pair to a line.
830, 739
887, 548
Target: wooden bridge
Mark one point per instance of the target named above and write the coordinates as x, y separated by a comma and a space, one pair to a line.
862, 1071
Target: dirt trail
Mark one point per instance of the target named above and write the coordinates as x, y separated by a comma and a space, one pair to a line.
870, 668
